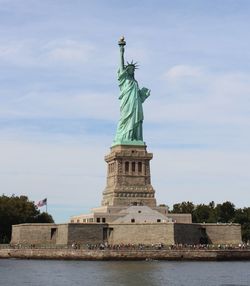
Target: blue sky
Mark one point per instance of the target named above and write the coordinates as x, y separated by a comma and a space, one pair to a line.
59, 98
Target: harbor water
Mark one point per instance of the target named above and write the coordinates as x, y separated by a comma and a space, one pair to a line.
17, 272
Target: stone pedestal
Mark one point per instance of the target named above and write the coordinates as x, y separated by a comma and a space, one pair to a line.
128, 177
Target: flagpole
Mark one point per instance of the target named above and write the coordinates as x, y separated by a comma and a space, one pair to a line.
46, 205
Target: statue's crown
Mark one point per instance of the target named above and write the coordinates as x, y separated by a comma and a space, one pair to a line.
135, 65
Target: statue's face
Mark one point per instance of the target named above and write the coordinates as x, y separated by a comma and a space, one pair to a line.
131, 70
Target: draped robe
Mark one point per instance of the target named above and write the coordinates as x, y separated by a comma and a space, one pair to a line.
129, 129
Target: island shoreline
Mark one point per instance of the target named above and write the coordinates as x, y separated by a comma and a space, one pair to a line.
105, 255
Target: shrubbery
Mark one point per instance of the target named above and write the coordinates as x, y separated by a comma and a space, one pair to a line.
15, 210
224, 213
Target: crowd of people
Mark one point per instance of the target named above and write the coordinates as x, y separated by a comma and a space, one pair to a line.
122, 246
130, 246
159, 246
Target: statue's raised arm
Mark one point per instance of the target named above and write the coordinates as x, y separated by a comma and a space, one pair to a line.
122, 44
129, 129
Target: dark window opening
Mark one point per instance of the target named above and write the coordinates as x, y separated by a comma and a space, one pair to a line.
158, 220
139, 167
98, 219
53, 233
107, 232
132, 220
133, 166
126, 166
103, 219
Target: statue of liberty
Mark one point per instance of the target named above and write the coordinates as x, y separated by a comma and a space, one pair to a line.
129, 129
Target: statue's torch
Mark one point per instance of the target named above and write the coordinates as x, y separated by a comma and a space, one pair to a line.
122, 42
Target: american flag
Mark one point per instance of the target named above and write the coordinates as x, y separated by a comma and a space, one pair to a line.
42, 203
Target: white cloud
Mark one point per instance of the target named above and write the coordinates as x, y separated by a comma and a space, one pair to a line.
17, 52
69, 51
180, 71
30, 52
88, 105
204, 96
48, 104
7, 51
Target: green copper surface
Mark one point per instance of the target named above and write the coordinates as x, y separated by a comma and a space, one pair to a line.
129, 130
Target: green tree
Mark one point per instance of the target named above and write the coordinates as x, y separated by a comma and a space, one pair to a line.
225, 212
242, 216
184, 207
16, 210
213, 213
201, 213
43, 217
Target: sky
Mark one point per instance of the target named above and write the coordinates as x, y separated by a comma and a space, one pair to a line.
59, 104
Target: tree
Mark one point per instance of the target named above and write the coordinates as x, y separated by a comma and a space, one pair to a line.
201, 213
225, 212
242, 216
16, 210
205, 213
184, 207
43, 217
